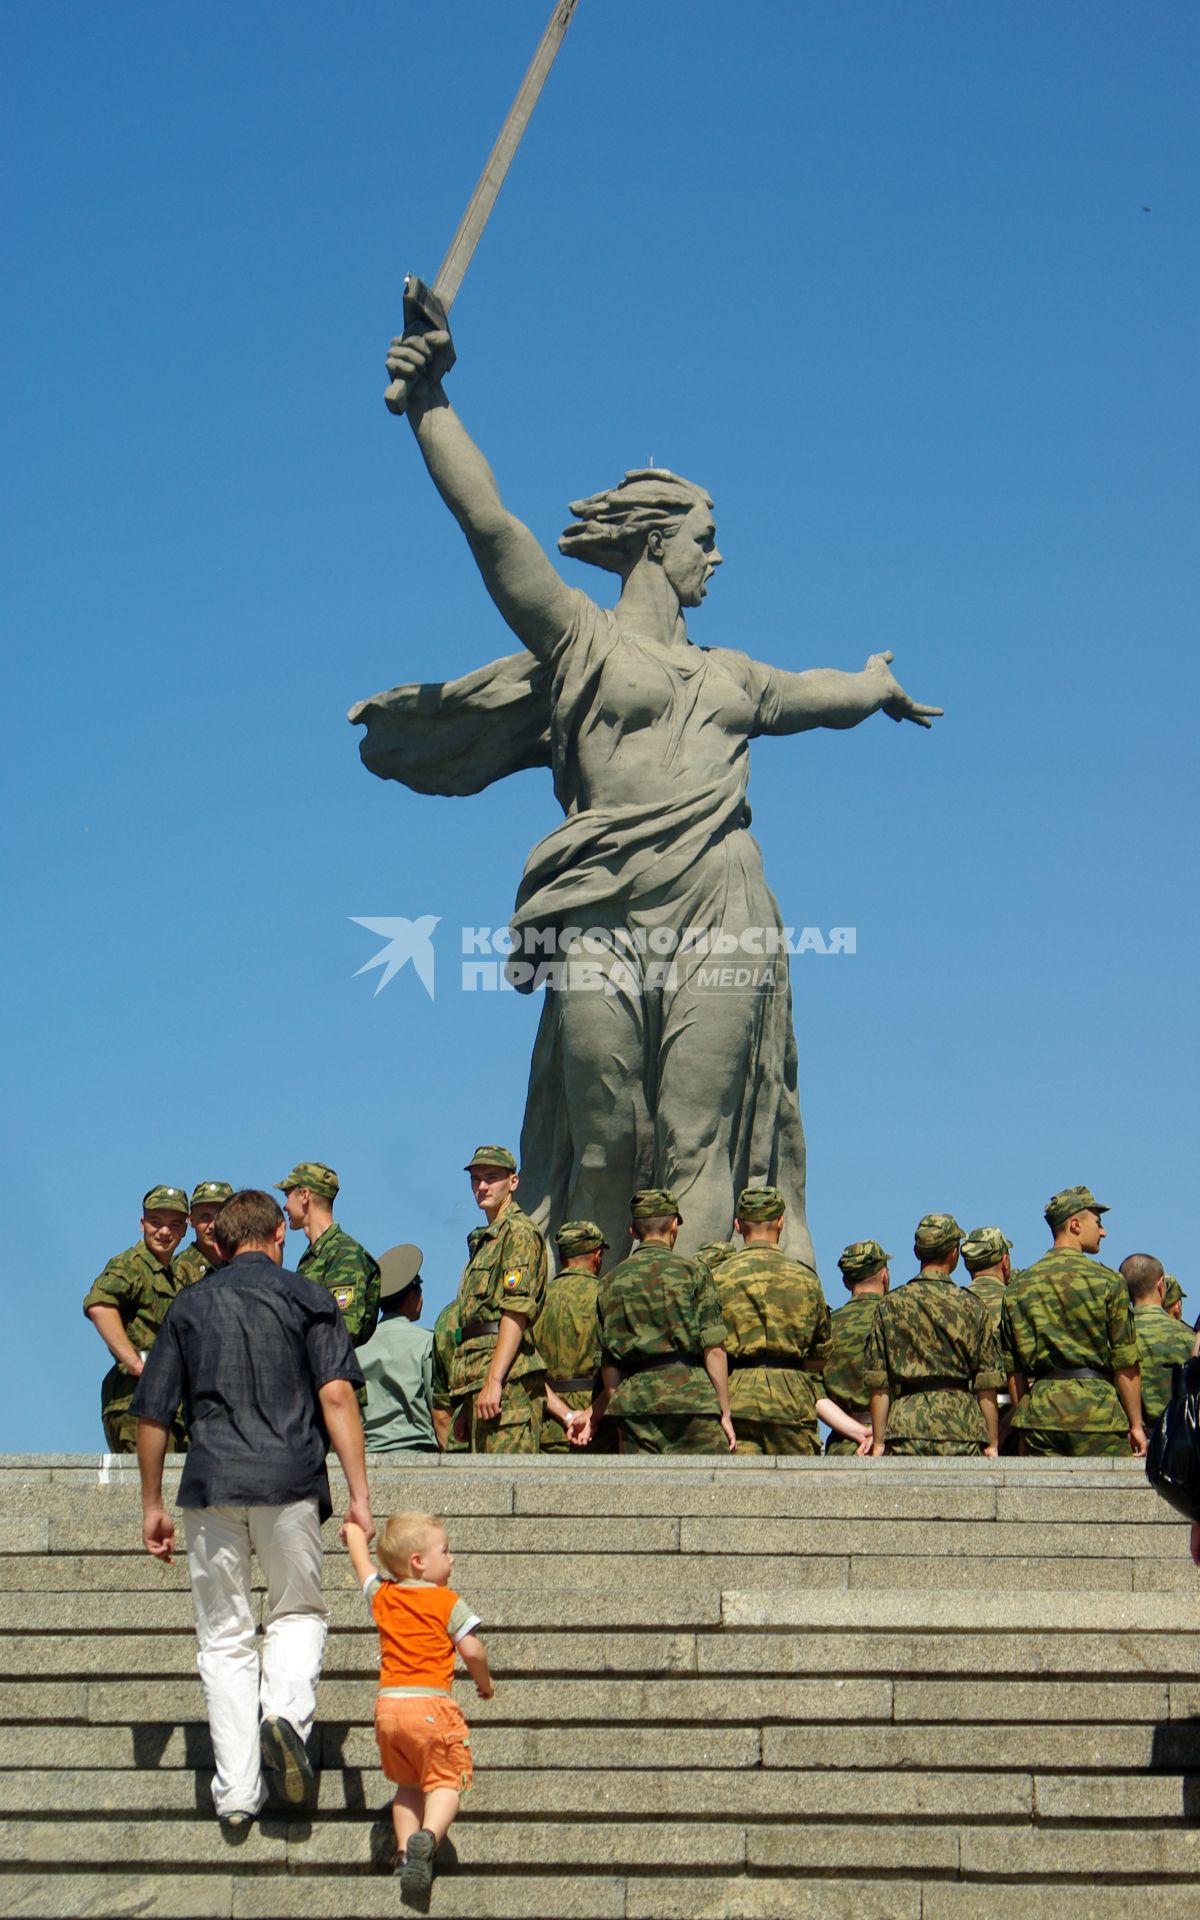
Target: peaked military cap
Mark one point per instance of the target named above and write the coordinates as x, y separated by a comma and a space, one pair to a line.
650, 1203
318, 1178
937, 1230
492, 1157
714, 1251
579, 1236
860, 1258
1072, 1200
206, 1192
399, 1269
983, 1246
759, 1203
171, 1199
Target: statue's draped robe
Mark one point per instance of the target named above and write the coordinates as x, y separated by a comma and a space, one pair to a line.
677, 857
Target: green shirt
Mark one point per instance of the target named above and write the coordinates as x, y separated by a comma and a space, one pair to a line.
1163, 1343
397, 1362
506, 1273
568, 1333
192, 1263
1067, 1310
348, 1272
140, 1289
842, 1375
658, 1302
932, 1329
772, 1306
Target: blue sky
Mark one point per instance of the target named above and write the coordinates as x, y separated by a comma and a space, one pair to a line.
879, 277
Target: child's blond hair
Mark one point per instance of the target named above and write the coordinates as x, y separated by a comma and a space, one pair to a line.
403, 1535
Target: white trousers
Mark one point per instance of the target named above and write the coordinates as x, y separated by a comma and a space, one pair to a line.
287, 1541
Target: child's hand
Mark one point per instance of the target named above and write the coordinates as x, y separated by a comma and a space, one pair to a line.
485, 1688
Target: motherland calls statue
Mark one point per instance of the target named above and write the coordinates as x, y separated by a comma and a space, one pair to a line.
650, 1067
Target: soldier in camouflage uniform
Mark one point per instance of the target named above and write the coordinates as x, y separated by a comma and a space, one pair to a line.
986, 1254
1173, 1297
451, 1436
713, 1252
497, 1377
202, 1254
332, 1259
932, 1364
568, 1337
1162, 1342
662, 1338
777, 1333
1066, 1324
127, 1305
864, 1269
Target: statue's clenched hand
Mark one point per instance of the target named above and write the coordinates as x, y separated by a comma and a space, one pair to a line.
893, 700
420, 360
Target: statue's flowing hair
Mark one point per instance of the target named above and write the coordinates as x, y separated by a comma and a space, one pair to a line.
611, 528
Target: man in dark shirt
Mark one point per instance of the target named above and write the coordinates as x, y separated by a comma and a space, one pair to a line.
263, 1364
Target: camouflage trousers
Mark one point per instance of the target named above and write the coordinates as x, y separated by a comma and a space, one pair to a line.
518, 1426
1048, 1440
672, 1433
929, 1443
836, 1443
120, 1425
776, 1436
554, 1438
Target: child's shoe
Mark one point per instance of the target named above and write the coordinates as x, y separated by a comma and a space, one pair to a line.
416, 1870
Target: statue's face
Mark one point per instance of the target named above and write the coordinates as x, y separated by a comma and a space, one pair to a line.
690, 555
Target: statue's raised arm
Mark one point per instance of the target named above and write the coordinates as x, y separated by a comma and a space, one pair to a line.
525, 587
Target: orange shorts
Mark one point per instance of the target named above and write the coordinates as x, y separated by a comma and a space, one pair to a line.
423, 1742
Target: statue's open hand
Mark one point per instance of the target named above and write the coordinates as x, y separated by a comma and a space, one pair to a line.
893, 700
419, 360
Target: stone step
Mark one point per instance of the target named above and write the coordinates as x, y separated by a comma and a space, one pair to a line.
850, 1653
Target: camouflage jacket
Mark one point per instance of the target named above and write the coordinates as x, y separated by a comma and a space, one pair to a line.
772, 1306
347, 1271
193, 1264
842, 1375
445, 1340
989, 1289
1163, 1343
140, 1289
1066, 1310
568, 1333
657, 1302
932, 1329
505, 1273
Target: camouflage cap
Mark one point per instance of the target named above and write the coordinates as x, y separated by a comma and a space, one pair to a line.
714, 1251
1061, 1206
935, 1231
860, 1259
579, 1236
1172, 1291
651, 1203
492, 1157
170, 1199
399, 1269
984, 1246
318, 1178
759, 1203
210, 1192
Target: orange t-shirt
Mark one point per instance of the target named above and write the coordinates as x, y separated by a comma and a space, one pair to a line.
419, 1627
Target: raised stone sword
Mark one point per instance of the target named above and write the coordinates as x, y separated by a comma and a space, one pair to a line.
426, 308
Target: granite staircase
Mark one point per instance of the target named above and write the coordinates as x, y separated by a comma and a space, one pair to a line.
741, 1690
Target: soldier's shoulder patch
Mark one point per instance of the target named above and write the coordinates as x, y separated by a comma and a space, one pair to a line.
343, 1296
512, 1279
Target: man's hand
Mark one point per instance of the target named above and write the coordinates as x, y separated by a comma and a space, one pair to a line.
1138, 1442
892, 698
878, 1449
727, 1430
863, 1449
358, 1514
158, 1533
487, 1401
991, 1453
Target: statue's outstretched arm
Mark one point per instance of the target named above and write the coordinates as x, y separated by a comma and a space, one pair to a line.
525, 587
825, 697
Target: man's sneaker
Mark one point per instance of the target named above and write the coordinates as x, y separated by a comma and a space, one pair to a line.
284, 1755
416, 1874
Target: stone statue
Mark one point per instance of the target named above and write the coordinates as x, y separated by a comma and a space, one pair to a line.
655, 1063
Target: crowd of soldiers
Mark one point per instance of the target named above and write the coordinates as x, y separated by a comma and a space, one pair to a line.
733, 1347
